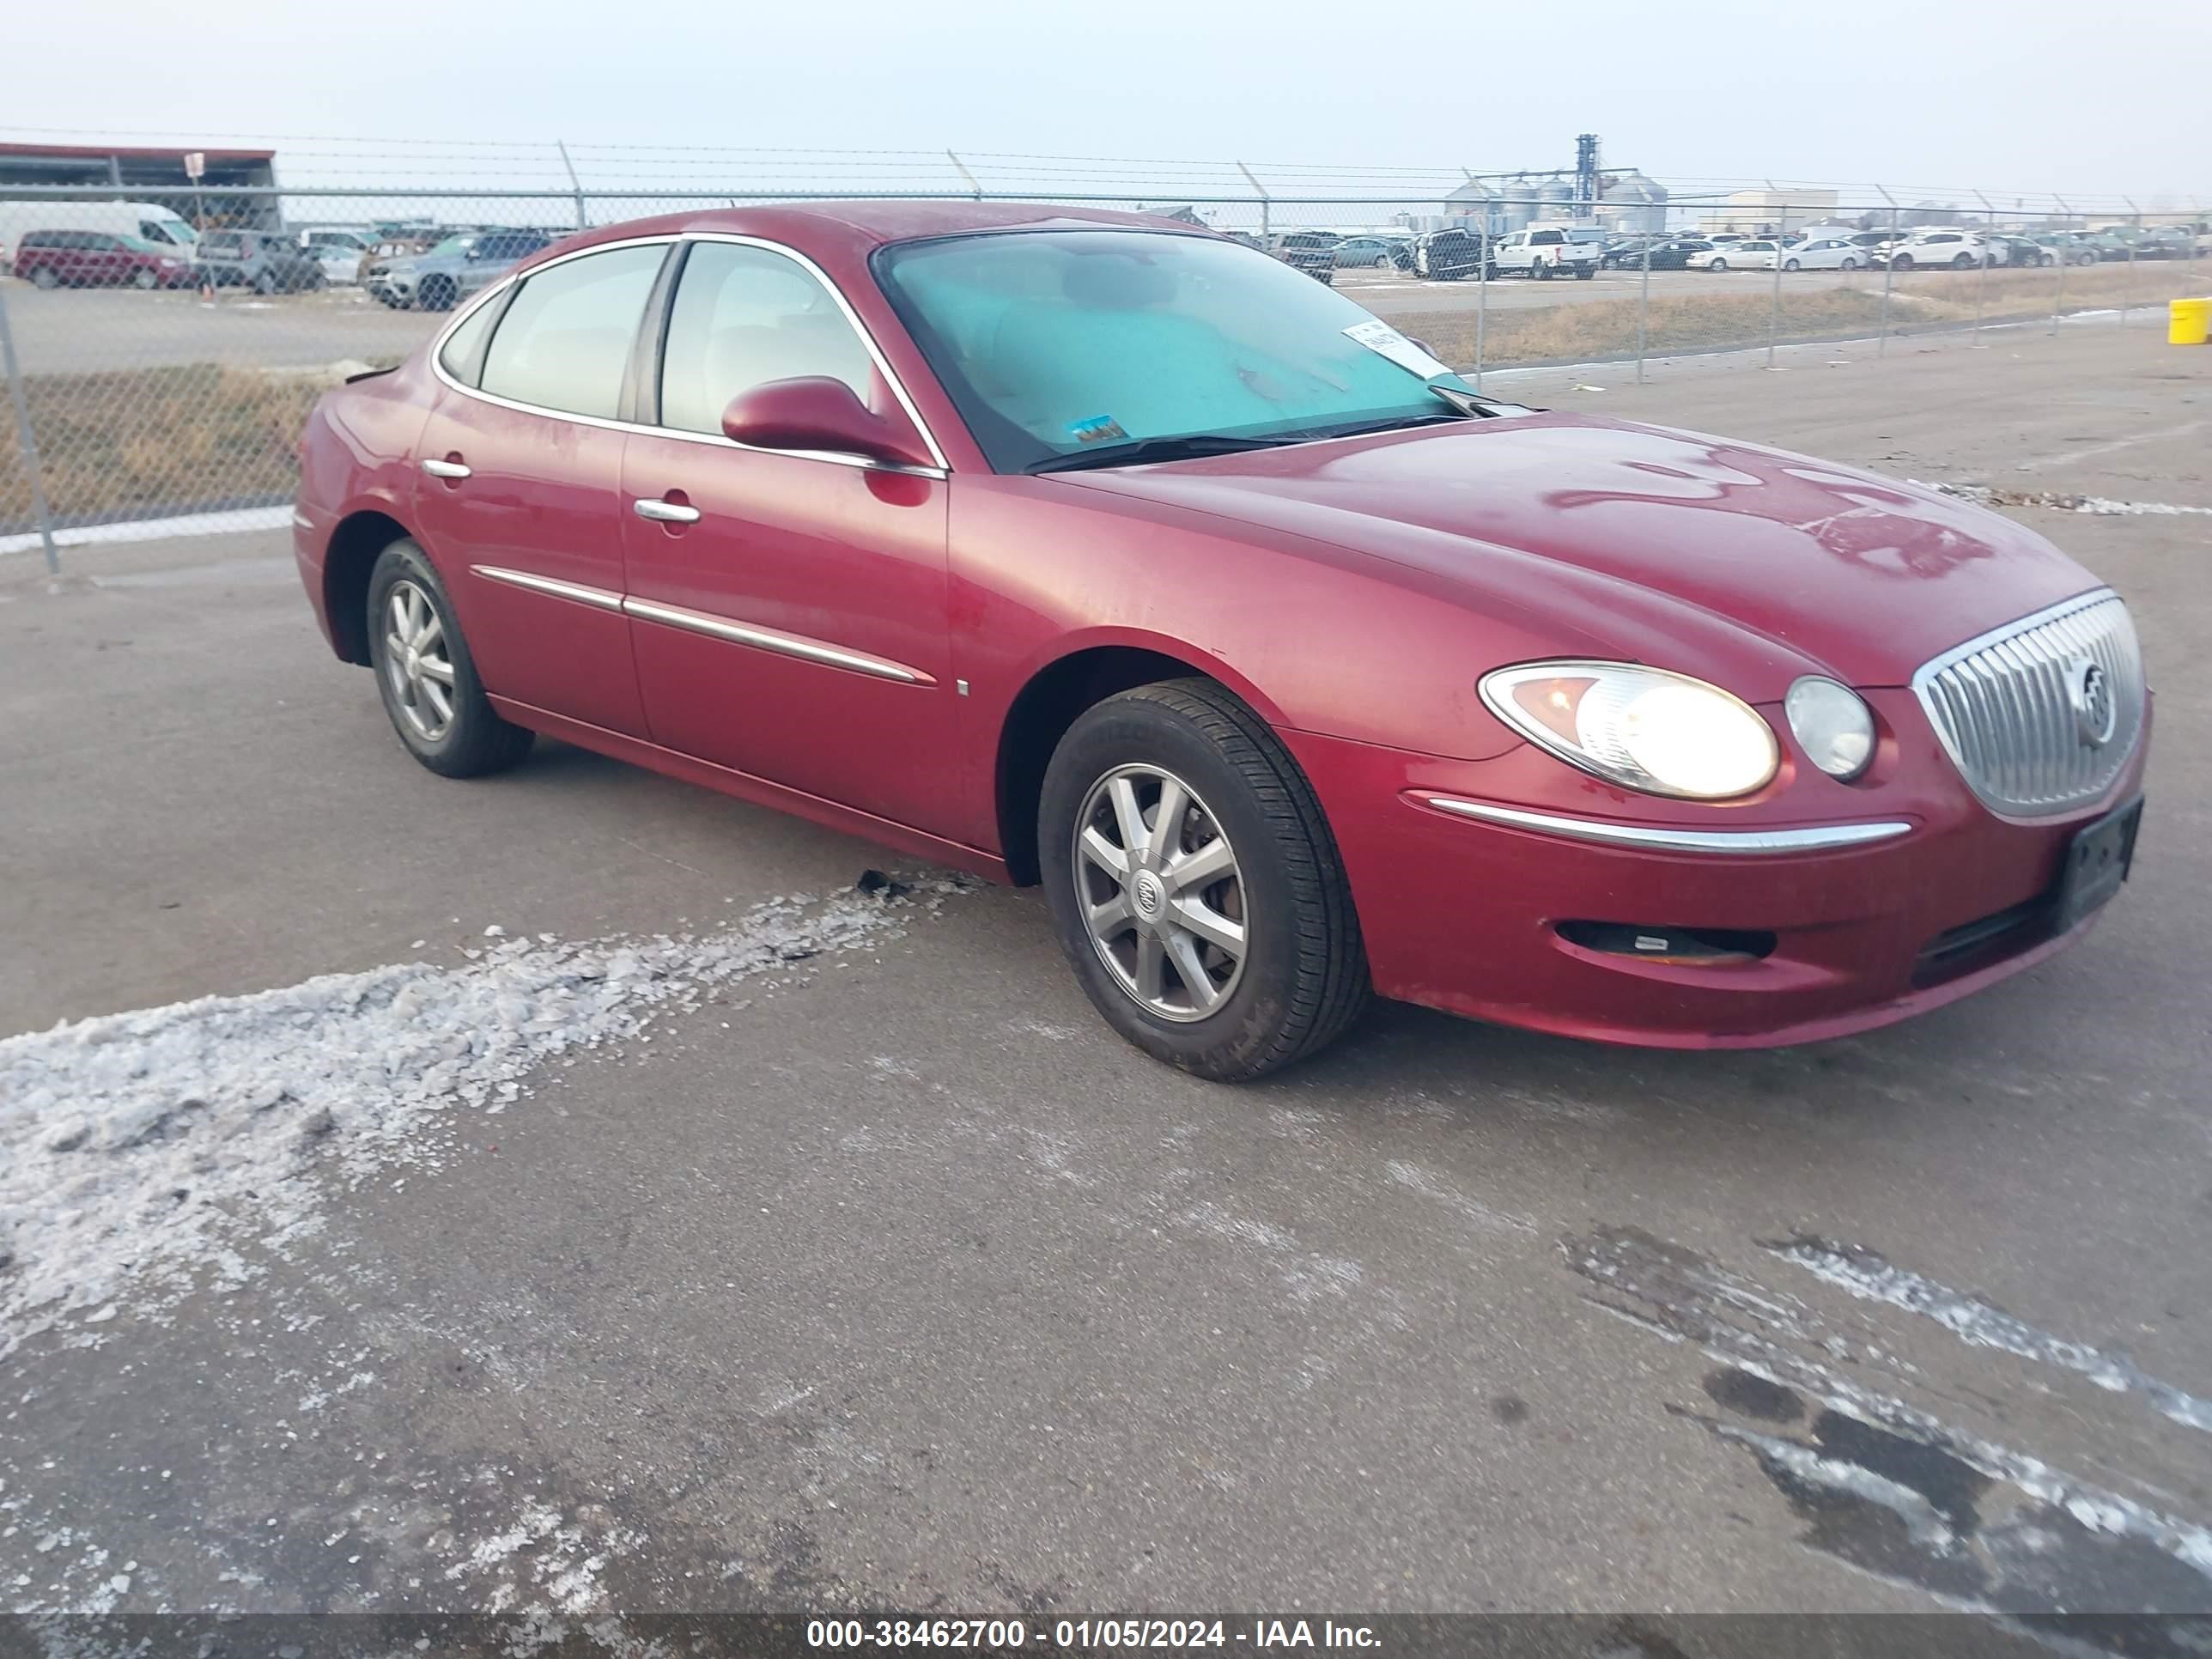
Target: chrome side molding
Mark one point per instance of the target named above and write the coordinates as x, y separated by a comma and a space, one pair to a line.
1814, 839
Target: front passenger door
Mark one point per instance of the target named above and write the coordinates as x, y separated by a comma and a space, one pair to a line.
789, 610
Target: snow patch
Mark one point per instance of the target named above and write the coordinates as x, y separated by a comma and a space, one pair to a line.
1972, 1321
140, 1151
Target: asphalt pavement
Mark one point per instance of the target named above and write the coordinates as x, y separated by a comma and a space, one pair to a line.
852, 1262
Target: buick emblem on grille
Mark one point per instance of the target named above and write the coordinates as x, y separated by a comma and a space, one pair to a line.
2090, 690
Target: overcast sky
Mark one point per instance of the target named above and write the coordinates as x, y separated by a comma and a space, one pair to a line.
2034, 95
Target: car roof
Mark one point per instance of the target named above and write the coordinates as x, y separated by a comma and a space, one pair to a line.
858, 227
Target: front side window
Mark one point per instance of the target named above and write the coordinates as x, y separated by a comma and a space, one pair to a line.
1056, 343
744, 316
565, 339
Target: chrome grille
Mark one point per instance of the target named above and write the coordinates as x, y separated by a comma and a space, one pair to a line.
2004, 707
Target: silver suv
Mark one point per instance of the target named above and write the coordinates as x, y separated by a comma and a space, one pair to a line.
452, 270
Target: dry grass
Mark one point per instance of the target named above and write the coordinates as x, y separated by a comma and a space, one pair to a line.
147, 440
1602, 329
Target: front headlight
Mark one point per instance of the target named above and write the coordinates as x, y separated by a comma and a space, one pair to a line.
1642, 728
1831, 725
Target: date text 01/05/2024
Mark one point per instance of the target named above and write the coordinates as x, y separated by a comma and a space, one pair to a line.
999, 1635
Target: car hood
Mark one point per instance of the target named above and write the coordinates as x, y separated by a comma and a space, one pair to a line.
1651, 537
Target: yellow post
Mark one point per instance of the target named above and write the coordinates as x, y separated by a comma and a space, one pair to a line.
2188, 322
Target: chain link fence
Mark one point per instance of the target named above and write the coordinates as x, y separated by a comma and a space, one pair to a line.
161, 350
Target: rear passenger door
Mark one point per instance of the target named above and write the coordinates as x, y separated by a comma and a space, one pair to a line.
516, 495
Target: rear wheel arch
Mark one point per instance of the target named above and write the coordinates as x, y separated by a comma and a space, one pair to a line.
347, 562
1054, 697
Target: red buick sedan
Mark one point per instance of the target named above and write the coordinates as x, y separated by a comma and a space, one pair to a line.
1099, 551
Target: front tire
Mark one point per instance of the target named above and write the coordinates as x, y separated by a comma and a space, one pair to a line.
45, 279
438, 293
425, 675
1903, 262
1195, 884
1717, 265
1791, 265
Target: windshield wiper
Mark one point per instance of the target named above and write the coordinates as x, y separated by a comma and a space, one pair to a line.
1396, 424
1186, 448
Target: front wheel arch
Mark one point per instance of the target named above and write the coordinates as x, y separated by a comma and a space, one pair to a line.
1054, 696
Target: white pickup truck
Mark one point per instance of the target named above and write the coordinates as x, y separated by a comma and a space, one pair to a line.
1545, 250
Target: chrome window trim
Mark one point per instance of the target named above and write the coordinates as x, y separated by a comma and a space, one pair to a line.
942, 469
1924, 677
599, 597
1755, 843
769, 639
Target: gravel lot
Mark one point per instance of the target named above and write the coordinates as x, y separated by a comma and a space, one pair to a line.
838, 1255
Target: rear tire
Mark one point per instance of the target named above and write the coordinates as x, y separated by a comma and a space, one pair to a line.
1848, 265
143, 277
441, 712
1274, 871
44, 277
1540, 270
1585, 273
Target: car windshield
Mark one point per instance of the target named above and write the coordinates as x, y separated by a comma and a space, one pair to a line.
1059, 344
455, 244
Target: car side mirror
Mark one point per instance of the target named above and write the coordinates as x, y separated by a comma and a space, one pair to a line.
815, 412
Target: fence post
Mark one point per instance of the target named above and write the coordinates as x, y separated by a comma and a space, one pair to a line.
1781, 253
1888, 276
26, 441
1982, 281
1643, 309
2128, 289
1260, 190
1481, 292
964, 174
2065, 258
575, 183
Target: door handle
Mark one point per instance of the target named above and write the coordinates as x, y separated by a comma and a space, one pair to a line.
661, 512
438, 469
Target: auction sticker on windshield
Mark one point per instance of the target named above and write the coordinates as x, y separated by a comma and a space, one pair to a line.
1379, 337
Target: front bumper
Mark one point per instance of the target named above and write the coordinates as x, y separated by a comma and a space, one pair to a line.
1463, 913
395, 288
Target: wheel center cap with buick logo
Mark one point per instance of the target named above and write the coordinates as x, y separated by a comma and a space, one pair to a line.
1151, 896
2090, 692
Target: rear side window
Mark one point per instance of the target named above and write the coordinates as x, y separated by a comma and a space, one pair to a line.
744, 316
565, 339
461, 355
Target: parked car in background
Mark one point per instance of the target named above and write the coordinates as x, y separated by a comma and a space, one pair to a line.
1833, 253
1453, 254
1667, 253
2063, 247
1313, 251
1370, 253
145, 221
2016, 249
2166, 242
1546, 251
441, 277
1960, 249
1753, 253
265, 261
99, 259
1294, 669
341, 252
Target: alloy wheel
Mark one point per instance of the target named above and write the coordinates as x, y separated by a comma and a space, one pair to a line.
1160, 892
415, 663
